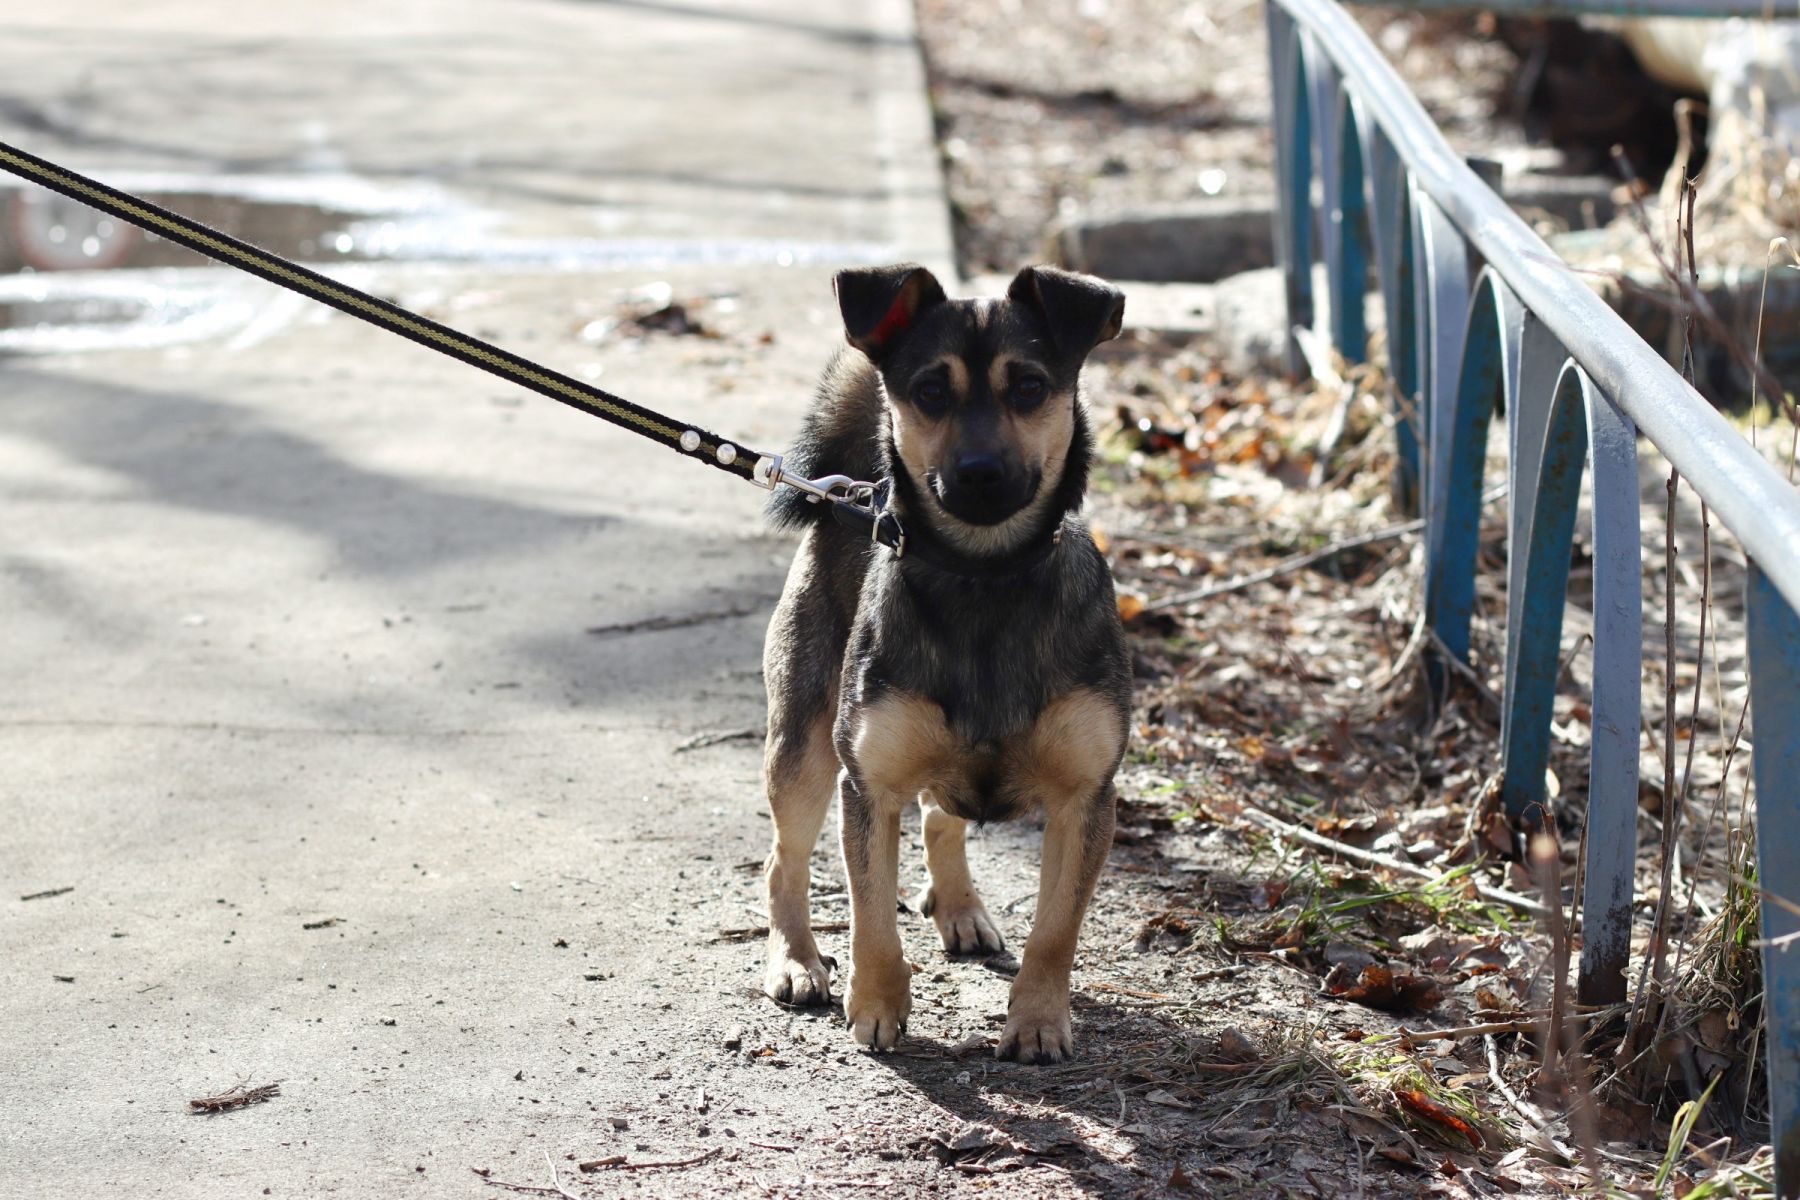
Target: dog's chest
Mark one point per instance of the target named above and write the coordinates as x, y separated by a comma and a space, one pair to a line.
991, 662
904, 745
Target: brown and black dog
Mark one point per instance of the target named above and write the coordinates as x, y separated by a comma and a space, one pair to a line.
982, 672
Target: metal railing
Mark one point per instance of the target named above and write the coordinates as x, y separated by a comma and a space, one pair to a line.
1480, 312
1708, 9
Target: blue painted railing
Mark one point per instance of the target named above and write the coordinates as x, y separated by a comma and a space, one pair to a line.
1480, 312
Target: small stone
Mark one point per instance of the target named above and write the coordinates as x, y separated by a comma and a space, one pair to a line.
620, 1123
734, 1040
1236, 1045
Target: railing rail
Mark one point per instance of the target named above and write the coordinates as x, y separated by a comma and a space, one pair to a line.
1706, 9
1480, 313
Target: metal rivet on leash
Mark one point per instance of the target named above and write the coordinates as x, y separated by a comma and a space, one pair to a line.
726, 453
690, 441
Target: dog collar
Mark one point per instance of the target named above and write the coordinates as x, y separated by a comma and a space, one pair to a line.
869, 514
933, 553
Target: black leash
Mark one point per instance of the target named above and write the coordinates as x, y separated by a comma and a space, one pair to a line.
853, 502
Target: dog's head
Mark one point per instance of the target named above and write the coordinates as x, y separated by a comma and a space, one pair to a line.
982, 394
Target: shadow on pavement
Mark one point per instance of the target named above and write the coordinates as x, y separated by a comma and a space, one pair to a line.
575, 608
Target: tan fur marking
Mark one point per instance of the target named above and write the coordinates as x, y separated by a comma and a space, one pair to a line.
903, 746
959, 375
1000, 372
1072, 748
1042, 435
923, 443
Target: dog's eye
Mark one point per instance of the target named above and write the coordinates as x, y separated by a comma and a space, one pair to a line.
1028, 391
931, 397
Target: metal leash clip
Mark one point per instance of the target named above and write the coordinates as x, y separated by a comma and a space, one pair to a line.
855, 502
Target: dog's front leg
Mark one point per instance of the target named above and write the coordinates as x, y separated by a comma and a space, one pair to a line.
1077, 837
799, 767
879, 998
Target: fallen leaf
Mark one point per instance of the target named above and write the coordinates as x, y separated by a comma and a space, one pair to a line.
1439, 1119
1382, 987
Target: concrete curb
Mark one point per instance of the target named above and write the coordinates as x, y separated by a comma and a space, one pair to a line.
1209, 240
913, 173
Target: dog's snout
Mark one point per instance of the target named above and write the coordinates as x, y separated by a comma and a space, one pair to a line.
982, 484
980, 470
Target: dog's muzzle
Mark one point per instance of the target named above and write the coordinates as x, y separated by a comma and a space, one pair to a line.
982, 489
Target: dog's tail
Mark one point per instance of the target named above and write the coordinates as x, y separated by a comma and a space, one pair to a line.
842, 435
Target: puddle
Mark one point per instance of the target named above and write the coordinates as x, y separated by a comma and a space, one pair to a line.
75, 279
48, 232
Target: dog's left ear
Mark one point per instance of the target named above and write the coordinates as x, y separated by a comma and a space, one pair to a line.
1080, 310
879, 304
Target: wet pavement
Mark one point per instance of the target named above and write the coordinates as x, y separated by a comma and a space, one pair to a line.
345, 685
74, 278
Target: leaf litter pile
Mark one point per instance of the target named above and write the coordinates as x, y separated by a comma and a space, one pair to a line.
1339, 974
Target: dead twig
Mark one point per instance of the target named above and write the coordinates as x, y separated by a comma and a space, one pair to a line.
656, 624
1687, 769
1520, 1024
61, 891
1531, 1115
1546, 862
1646, 1009
1298, 562
529, 1189
701, 740
556, 1178
236, 1097
1286, 566
1565, 1058
1689, 300
607, 1164
1369, 858
1459, 667
749, 933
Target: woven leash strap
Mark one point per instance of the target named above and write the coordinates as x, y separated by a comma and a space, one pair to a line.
686, 440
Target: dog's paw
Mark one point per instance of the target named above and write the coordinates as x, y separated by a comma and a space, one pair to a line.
965, 929
790, 980
877, 1005
1036, 1035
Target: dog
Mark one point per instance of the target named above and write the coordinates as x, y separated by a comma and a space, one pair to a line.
981, 671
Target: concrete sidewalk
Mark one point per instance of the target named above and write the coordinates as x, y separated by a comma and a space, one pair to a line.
343, 684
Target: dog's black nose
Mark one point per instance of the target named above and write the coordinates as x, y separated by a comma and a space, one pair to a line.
980, 470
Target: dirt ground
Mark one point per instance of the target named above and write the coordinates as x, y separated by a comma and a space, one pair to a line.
1056, 108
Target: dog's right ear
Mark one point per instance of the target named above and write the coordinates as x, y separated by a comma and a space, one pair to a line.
881, 303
